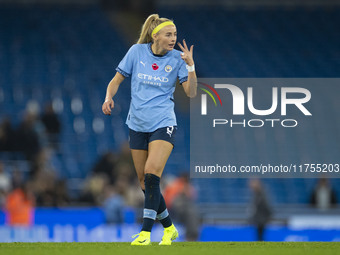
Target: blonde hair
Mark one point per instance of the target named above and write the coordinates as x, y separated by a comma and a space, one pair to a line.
149, 25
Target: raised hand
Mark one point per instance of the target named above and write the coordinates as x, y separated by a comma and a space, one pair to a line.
187, 55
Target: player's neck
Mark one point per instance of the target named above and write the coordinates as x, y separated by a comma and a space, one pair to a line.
157, 50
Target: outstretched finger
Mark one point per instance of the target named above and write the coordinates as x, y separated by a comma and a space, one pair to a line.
180, 45
185, 45
192, 50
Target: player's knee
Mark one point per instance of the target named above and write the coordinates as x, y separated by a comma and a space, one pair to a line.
152, 169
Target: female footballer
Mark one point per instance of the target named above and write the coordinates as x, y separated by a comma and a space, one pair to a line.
154, 66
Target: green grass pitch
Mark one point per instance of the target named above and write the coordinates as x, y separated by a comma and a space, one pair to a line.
178, 248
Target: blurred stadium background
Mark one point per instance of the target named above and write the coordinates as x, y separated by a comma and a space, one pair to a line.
59, 150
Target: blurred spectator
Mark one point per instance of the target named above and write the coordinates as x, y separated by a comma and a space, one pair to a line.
20, 206
29, 136
134, 196
5, 185
52, 124
43, 177
179, 196
125, 163
260, 208
323, 196
93, 190
17, 178
52, 195
119, 195
61, 197
7, 136
113, 165
42, 162
5, 180
106, 165
113, 205
43, 186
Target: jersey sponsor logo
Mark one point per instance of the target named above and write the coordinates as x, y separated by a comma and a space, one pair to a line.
155, 66
168, 68
142, 63
152, 77
169, 130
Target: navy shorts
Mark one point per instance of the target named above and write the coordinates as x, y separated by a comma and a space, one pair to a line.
141, 140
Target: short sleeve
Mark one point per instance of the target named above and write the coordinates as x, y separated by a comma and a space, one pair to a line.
182, 72
126, 65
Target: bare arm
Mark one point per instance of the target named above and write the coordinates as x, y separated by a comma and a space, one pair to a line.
189, 86
111, 90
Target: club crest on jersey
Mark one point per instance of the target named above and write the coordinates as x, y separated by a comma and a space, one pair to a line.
168, 68
154, 66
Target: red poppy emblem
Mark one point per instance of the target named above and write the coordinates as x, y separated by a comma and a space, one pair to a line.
154, 66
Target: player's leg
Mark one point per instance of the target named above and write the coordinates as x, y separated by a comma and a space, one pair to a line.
139, 145
166, 134
159, 152
139, 159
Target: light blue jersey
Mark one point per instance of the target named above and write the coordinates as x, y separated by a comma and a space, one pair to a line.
153, 81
